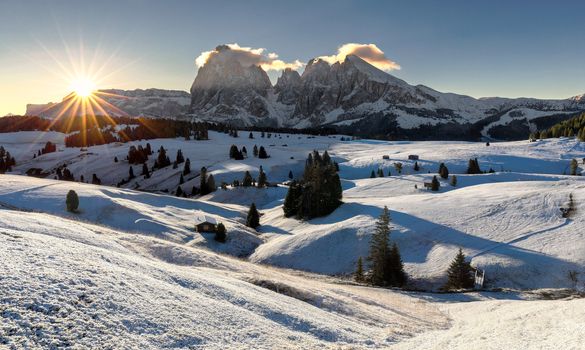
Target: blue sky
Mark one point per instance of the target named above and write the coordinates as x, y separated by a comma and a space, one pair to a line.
489, 48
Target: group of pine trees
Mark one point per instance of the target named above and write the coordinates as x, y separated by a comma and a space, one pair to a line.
386, 268
240, 154
7, 161
318, 193
572, 127
249, 181
103, 131
138, 155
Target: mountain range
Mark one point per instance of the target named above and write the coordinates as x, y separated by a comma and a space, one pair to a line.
351, 96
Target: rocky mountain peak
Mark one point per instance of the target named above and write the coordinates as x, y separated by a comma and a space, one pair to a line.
287, 86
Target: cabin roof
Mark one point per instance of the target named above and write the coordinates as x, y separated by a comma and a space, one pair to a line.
202, 217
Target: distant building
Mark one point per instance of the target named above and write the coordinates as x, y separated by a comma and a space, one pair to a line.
205, 223
413, 157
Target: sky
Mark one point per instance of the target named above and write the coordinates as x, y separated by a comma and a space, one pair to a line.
489, 48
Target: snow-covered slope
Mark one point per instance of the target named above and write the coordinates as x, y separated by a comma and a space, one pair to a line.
129, 271
71, 284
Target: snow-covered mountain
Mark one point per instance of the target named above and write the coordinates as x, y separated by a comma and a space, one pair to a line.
149, 103
355, 95
352, 96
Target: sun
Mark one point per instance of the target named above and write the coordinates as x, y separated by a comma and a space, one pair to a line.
83, 87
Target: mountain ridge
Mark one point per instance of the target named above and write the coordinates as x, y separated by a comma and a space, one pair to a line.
352, 96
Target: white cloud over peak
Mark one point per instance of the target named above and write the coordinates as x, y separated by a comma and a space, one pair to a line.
368, 52
248, 56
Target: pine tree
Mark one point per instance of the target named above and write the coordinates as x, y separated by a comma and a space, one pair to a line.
460, 273
203, 181
220, 233
290, 174
247, 181
379, 249
187, 167
251, 136
573, 167
234, 152
453, 180
262, 153
443, 171
131, 173
435, 185
262, 181
372, 175
211, 184
181, 180
473, 167
179, 192
255, 150
145, 170
380, 173
115, 159
416, 167
359, 272
291, 201
72, 201
253, 218
396, 277
179, 159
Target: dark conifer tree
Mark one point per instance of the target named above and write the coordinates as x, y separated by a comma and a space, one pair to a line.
473, 167
131, 173
380, 173
203, 181
290, 174
247, 181
234, 151
573, 167
379, 249
460, 273
255, 151
443, 171
211, 184
220, 233
72, 201
416, 167
453, 180
145, 171
372, 175
251, 136
396, 276
253, 218
181, 180
292, 200
115, 159
435, 184
179, 159
179, 192
262, 180
187, 167
262, 153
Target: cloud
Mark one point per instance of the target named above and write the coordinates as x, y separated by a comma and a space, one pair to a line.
247, 56
368, 52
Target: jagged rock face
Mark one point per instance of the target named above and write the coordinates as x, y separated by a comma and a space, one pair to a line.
224, 87
287, 87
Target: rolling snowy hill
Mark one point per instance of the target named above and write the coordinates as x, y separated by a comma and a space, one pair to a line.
130, 271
